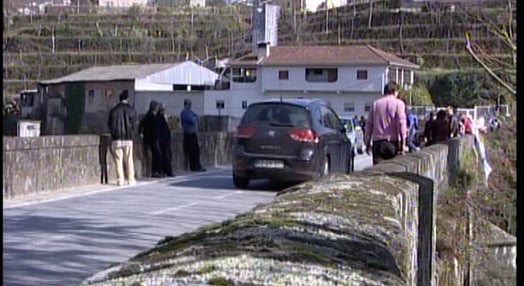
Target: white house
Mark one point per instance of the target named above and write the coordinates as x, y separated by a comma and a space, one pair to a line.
350, 78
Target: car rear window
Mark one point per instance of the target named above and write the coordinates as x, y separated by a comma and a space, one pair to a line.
284, 114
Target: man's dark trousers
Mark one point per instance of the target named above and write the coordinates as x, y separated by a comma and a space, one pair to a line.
192, 151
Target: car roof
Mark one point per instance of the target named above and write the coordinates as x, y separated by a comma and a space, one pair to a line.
295, 101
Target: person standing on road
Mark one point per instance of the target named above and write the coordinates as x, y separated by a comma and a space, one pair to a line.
412, 122
121, 125
165, 142
453, 121
441, 127
385, 134
428, 133
150, 132
362, 124
189, 121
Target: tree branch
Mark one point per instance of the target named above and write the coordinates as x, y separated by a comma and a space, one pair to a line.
470, 50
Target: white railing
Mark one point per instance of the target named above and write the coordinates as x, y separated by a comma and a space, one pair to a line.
477, 112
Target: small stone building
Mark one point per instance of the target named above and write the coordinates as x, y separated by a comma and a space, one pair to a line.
91, 93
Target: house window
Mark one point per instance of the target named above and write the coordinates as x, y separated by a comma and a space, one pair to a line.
362, 74
321, 74
392, 74
244, 74
283, 75
220, 104
244, 104
349, 107
91, 96
367, 107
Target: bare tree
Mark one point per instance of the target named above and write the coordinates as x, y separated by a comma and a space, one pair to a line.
370, 13
488, 62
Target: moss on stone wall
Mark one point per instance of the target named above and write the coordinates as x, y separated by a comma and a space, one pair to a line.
341, 231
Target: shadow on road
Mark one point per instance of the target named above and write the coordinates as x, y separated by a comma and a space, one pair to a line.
221, 181
54, 253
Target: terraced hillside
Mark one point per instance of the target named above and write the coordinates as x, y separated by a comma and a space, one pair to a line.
47, 46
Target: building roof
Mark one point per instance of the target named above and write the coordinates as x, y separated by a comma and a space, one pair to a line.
325, 56
112, 73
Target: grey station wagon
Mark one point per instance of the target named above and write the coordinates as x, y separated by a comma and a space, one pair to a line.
289, 140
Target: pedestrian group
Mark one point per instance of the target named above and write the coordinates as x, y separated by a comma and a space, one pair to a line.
392, 127
156, 137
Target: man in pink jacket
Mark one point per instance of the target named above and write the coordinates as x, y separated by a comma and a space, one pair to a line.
385, 134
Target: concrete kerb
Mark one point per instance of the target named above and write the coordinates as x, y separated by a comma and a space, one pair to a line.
66, 193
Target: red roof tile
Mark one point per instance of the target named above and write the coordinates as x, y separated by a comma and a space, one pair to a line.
325, 56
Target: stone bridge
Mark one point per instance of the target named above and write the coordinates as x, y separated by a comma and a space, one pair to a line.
373, 227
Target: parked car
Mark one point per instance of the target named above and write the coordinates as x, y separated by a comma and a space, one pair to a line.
289, 140
354, 133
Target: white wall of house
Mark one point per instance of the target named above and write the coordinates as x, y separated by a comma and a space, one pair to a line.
197, 3
121, 3
344, 104
312, 5
173, 100
249, 86
346, 79
235, 101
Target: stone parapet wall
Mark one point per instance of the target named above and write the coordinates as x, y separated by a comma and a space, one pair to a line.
373, 227
44, 163
51, 163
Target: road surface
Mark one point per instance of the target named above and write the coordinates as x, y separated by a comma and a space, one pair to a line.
64, 240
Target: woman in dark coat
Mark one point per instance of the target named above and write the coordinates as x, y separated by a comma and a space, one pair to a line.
150, 132
440, 128
165, 142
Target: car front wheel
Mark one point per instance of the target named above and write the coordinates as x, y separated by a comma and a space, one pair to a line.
240, 182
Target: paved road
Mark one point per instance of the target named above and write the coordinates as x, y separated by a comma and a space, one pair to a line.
62, 241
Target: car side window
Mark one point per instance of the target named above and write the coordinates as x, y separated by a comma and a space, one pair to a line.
335, 122
326, 117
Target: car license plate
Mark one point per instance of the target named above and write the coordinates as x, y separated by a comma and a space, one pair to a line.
271, 164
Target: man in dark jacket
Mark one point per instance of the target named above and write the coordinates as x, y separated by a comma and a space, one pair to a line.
165, 142
149, 130
121, 125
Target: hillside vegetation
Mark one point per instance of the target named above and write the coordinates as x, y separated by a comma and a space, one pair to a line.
52, 45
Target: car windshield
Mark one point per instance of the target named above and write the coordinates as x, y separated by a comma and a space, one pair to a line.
278, 114
347, 124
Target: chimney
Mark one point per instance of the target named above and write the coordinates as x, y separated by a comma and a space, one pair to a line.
262, 51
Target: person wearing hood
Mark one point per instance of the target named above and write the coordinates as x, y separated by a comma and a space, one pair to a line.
149, 131
165, 142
